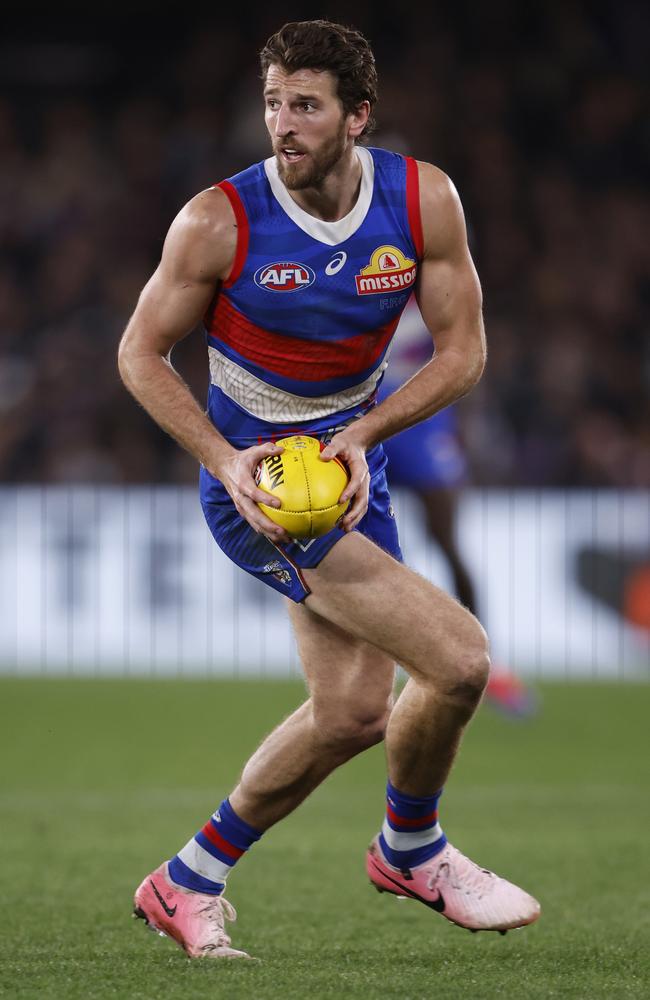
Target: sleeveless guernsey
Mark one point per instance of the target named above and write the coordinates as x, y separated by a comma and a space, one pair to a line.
298, 336
299, 332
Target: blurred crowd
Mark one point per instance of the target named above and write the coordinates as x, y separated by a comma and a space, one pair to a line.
537, 112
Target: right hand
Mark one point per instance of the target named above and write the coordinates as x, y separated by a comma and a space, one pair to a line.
237, 474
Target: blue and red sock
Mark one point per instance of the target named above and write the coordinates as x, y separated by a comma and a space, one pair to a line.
208, 858
410, 834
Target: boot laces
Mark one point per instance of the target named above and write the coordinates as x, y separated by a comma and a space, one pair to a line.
470, 879
216, 911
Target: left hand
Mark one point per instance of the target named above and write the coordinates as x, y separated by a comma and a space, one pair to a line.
354, 455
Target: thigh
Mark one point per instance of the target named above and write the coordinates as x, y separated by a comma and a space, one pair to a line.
380, 601
344, 674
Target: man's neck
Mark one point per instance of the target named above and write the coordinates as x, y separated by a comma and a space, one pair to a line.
337, 195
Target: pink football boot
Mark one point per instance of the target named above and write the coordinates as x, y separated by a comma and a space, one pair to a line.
454, 886
507, 693
194, 920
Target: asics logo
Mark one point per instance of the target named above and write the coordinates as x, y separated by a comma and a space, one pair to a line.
336, 263
169, 910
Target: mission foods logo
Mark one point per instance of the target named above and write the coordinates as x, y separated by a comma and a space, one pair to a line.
284, 277
388, 271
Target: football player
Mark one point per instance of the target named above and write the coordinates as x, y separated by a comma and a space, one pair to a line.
300, 266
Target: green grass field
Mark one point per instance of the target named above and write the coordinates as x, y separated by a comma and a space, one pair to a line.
101, 780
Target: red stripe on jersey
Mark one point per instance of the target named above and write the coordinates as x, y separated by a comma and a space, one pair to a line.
293, 357
224, 845
413, 204
420, 821
241, 219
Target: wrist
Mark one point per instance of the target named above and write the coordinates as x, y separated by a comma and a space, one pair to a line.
217, 457
360, 433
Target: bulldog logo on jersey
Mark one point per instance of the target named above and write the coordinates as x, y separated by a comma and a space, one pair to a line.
388, 271
284, 276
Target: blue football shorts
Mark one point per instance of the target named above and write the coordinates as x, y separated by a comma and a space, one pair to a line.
280, 567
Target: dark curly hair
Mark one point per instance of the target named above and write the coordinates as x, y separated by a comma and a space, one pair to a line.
324, 45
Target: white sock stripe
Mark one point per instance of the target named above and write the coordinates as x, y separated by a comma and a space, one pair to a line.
202, 863
410, 841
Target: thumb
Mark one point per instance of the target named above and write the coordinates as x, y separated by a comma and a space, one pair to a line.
271, 448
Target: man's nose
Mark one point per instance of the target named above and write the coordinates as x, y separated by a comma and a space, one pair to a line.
284, 123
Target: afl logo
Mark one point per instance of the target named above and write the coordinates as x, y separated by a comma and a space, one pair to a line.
284, 277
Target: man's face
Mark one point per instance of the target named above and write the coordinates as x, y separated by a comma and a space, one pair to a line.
306, 123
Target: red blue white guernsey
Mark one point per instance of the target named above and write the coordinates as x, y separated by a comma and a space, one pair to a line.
298, 334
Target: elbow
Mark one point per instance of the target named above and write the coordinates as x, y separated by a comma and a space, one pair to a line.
123, 360
471, 369
478, 359
127, 360
479, 363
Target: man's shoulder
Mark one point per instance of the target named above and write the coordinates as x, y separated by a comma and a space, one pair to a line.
441, 211
208, 215
435, 184
202, 239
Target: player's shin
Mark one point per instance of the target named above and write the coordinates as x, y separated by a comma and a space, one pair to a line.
423, 735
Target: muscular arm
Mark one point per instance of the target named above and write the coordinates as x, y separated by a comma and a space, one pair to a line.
449, 297
198, 253
196, 256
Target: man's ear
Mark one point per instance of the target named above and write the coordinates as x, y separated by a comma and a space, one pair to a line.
359, 119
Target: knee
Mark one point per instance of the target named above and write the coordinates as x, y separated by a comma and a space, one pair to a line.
469, 665
351, 728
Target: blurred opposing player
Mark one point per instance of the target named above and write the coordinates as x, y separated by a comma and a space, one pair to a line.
428, 458
300, 267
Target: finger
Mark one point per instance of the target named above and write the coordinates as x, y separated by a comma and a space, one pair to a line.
354, 514
260, 451
358, 473
351, 522
357, 508
348, 492
260, 522
257, 454
278, 539
259, 496
330, 452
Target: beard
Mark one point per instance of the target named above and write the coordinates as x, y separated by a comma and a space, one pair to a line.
317, 164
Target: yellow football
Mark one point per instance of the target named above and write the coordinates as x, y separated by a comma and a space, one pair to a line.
308, 487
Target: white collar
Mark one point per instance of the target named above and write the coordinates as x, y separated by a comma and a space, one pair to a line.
327, 232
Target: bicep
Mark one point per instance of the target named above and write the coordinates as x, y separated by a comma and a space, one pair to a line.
449, 296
